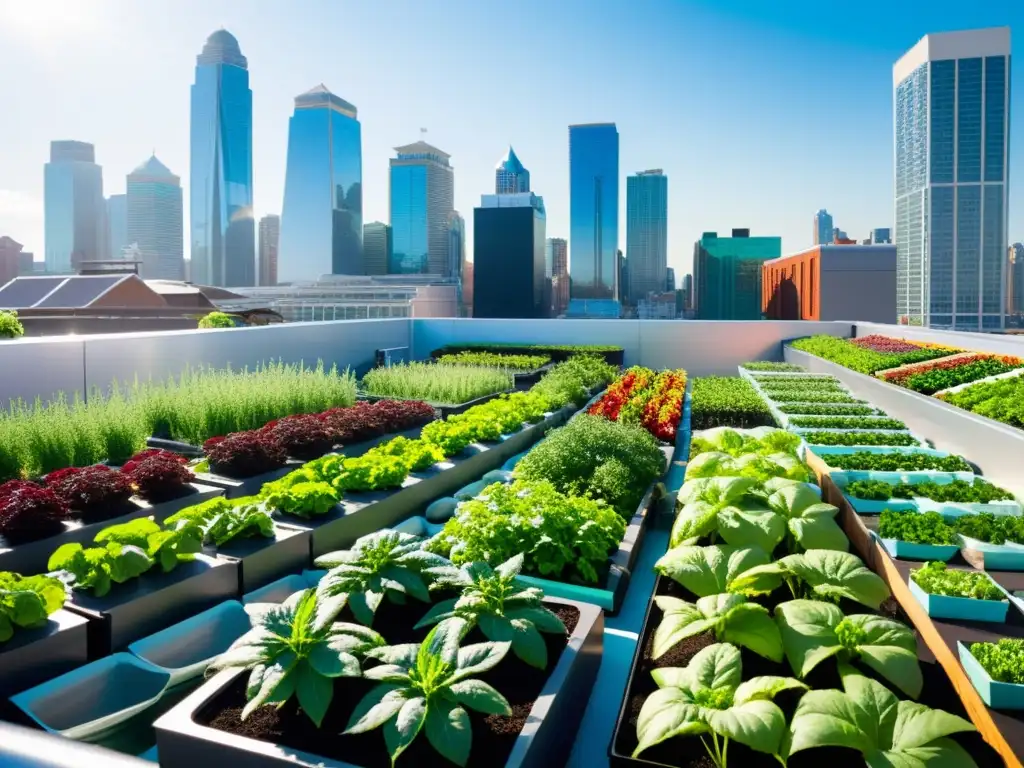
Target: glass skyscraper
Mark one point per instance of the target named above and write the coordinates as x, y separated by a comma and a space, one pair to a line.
155, 221
270, 240
952, 113
376, 247
727, 274
322, 216
223, 233
422, 200
510, 176
646, 233
822, 227
117, 225
74, 208
593, 210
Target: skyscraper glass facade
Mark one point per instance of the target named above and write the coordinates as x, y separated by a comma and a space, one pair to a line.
511, 177
269, 245
727, 274
155, 221
74, 207
951, 124
823, 227
422, 200
322, 216
646, 233
223, 233
376, 247
594, 210
117, 224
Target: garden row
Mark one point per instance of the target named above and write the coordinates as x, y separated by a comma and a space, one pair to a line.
932, 507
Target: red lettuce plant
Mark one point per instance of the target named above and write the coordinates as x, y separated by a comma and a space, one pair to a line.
93, 493
29, 512
243, 454
159, 478
304, 437
404, 414
150, 453
364, 420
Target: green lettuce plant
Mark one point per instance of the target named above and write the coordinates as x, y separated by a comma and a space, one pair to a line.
503, 608
385, 563
1003, 659
303, 499
426, 687
223, 520
97, 568
821, 574
297, 649
710, 570
26, 601
889, 733
813, 630
741, 442
167, 546
729, 616
707, 699
756, 466
936, 579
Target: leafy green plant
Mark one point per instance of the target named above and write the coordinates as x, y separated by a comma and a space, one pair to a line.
97, 568
494, 360
167, 546
561, 536
824, 409
300, 498
743, 442
707, 697
813, 631
860, 438
845, 422
26, 601
897, 462
1002, 400
813, 396
992, 529
820, 574
10, 325
1003, 659
445, 384
297, 649
979, 491
718, 401
763, 365
504, 610
426, 687
936, 579
755, 466
858, 358
867, 717
728, 615
218, 320
710, 570
915, 527
223, 520
382, 564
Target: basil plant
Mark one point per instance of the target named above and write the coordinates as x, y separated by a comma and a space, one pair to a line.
821, 574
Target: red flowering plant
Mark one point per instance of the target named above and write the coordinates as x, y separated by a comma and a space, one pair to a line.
92, 493
885, 344
29, 511
243, 454
633, 382
305, 437
160, 476
664, 409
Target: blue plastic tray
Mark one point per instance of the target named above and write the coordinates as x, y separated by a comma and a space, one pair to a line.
994, 693
997, 557
906, 550
964, 608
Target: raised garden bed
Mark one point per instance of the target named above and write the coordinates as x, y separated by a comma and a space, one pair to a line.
444, 409
204, 730
35, 655
262, 560
234, 488
558, 352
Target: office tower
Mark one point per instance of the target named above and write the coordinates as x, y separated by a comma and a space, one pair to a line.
377, 245
270, 237
223, 235
727, 274
117, 225
823, 227
646, 233
594, 210
322, 216
623, 274
952, 114
881, 236
508, 256
510, 176
1015, 283
687, 292
422, 199
75, 210
556, 267
670, 279
155, 221
456, 245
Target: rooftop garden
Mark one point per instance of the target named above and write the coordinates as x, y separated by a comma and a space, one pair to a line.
449, 384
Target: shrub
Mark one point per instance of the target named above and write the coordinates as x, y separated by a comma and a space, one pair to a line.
95, 492
243, 454
304, 437
727, 401
10, 325
445, 384
218, 320
29, 511
159, 477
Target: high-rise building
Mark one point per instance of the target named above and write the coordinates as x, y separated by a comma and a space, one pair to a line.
646, 233
594, 210
508, 256
75, 209
670, 279
322, 216
270, 238
155, 221
510, 176
1015, 283
556, 268
823, 227
952, 114
376, 247
422, 199
881, 236
223, 233
687, 292
727, 274
456, 245
117, 225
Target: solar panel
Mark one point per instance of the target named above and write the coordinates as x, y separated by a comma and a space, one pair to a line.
25, 291
79, 291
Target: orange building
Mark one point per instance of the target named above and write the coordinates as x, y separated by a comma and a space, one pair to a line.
831, 282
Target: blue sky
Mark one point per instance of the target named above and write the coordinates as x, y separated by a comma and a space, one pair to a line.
759, 111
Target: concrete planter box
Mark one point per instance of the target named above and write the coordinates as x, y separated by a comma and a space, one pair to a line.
262, 560
35, 655
280, 590
446, 409
153, 601
32, 556
544, 741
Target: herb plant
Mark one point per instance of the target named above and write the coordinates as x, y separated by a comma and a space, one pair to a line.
297, 649
819, 574
425, 687
711, 570
445, 384
707, 698
1002, 400
494, 360
860, 438
979, 491
727, 401
503, 609
1003, 660
160, 477
865, 716
26, 601
936, 579
729, 616
916, 527
897, 462
243, 454
763, 365
302, 437
824, 409
29, 512
813, 631
992, 529
845, 422
812, 396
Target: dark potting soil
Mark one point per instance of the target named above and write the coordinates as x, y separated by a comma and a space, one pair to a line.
493, 735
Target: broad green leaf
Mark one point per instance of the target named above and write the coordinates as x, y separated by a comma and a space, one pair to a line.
274, 676
478, 658
708, 570
449, 731
329, 663
694, 521
680, 621
837, 574
482, 697
400, 731
917, 725
759, 580
876, 706
828, 718
750, 625
528, 645
314, 692
757, 724
412, 583
764, 687
819, 532
327, 610
6, 628
751, 526
716, 666
378, 706
511, 567
717, 491
942, 753
496, 628
897, 665
404, 654
541, 618
808, 632
666, 713
437, 612
388, 673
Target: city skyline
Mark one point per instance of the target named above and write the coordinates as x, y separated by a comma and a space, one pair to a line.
770, 200
154, 220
